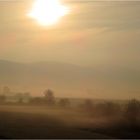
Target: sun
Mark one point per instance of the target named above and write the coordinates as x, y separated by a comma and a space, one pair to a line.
48, 12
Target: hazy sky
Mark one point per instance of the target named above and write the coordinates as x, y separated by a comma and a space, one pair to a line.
93, 33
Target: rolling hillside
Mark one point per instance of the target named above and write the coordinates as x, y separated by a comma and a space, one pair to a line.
68, 78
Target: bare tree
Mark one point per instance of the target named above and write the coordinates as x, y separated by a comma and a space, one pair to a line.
49, 97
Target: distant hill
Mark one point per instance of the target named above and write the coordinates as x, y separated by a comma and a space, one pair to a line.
13, 72
40, 75
66, 76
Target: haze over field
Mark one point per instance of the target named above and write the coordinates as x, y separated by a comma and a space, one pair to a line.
69, 69
92, 51
69, 80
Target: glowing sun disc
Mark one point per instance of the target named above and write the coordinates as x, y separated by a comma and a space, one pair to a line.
48, 12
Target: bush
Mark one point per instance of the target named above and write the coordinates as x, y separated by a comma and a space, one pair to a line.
132, 112
108, 109
64, 103
37, 101
88, 105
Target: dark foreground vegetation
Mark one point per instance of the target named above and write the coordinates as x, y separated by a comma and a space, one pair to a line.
60, 119
23, 116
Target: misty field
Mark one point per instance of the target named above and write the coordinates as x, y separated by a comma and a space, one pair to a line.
34, 121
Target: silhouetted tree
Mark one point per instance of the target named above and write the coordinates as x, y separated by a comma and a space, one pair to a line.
49, 97
132, 113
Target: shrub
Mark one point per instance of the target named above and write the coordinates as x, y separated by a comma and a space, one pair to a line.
64, 103
88, 105
132, 112
108, 109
